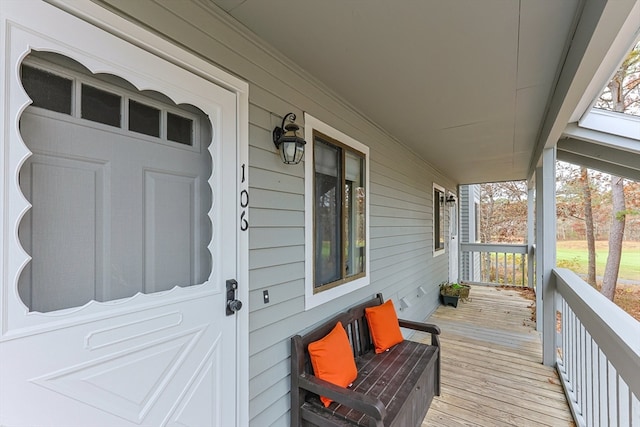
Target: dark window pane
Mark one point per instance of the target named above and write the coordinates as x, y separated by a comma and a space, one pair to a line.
354, 220
144, 119
328, 214
179, 129
100, 106
47, 90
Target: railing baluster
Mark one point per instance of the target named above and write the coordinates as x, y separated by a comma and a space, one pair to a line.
506, 269
574, 353
619, 415
587, 379
495, 277
624, 403
595, 381
496, 274
635, 410
603, 389
582, 370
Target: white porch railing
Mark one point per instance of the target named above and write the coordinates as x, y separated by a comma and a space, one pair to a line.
598, 355
494, 263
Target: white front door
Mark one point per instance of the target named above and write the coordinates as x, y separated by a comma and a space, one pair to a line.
453, 241
119, 235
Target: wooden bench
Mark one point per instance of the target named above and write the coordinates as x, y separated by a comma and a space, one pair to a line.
394, 388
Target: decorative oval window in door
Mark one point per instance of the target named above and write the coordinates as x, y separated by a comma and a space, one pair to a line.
118, 187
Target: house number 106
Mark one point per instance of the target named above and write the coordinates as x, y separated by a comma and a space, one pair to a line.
244, 203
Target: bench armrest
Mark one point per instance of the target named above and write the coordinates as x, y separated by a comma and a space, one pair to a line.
368, 405
419, 326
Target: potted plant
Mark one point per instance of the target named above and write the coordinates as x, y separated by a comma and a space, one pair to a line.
452, 292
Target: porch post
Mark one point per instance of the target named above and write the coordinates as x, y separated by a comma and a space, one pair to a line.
539, 248
530, 231
546, 252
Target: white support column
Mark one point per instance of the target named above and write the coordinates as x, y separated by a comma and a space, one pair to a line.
531, 229
546, 251
539, 247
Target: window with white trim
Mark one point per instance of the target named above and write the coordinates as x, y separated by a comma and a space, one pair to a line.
438, 220
336, 218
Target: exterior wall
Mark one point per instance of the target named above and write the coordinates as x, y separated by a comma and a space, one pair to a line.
400, 203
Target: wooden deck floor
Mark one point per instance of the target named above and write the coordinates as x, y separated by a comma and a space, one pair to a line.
491, 366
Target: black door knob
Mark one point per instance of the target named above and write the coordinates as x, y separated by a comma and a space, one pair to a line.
234, 305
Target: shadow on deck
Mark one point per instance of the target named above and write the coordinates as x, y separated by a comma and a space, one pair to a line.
492, 373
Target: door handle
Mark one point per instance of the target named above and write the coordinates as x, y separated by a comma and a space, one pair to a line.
233, 305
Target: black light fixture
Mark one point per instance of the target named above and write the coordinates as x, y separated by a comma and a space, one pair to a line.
287, 141
451, 199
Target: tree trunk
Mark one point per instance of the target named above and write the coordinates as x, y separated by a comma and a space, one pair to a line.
617, 97
616, 234
588, 219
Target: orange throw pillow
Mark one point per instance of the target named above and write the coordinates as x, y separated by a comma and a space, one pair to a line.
384, 327
332, 359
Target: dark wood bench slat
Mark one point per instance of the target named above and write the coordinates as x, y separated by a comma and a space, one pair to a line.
393, 364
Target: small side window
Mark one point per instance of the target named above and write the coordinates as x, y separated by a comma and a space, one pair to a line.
100, 106
47, 90
144, 119
179, 129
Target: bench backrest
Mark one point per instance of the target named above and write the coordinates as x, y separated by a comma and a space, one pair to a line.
354, 323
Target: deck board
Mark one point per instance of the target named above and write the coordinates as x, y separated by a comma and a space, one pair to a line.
492, 373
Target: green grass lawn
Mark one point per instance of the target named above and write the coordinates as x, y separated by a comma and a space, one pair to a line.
573, 255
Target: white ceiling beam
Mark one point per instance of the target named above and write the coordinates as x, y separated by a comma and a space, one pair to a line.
602, 166
600, 152
618, 142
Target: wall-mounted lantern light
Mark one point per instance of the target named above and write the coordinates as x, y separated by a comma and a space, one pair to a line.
287, 141
451, 199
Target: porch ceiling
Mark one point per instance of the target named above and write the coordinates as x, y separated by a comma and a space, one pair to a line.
465, 84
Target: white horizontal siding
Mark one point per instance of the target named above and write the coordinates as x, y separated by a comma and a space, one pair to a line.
401, 185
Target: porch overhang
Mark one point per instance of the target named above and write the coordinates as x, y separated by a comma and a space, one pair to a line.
604, 33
